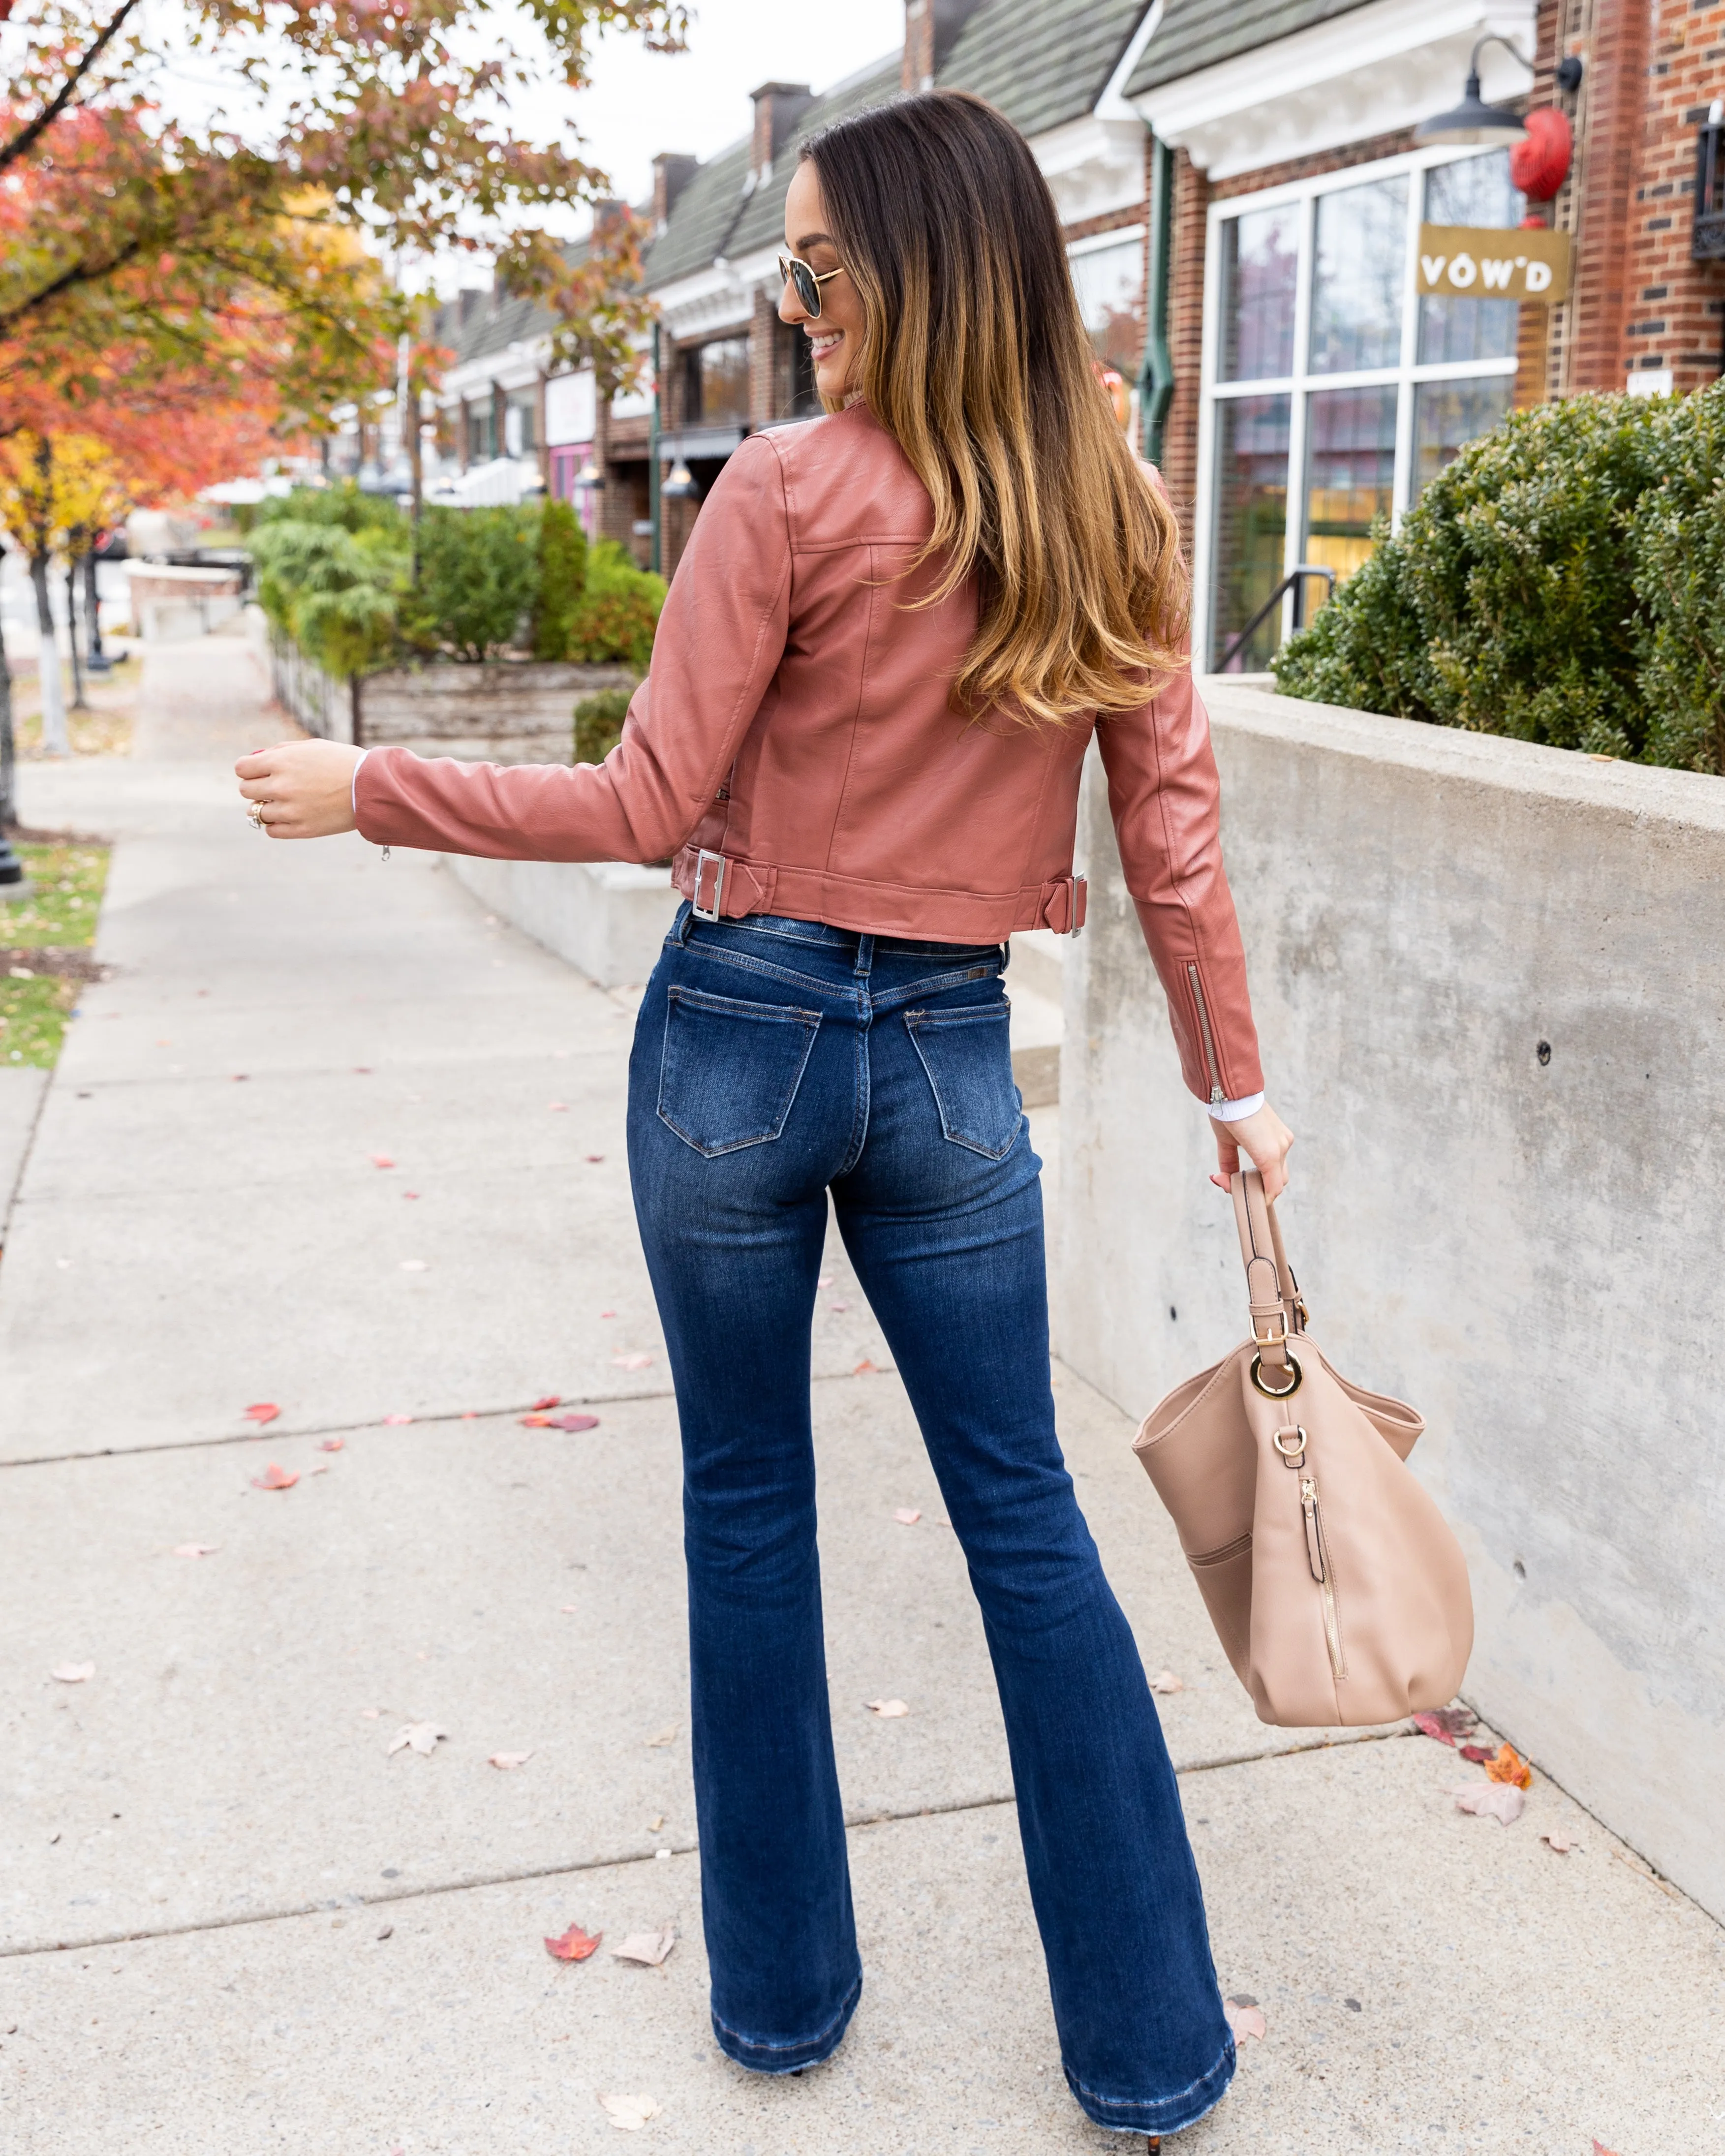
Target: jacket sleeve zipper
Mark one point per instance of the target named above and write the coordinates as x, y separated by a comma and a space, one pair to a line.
1217, 1093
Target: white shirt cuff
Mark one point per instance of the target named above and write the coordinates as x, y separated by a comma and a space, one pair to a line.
1236, 1111
363, 754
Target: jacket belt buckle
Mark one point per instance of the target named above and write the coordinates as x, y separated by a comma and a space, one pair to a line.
1076, 890
701, 911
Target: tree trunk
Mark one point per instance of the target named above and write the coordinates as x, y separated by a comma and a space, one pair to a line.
93, 615
80, 702
54, 739
8, 747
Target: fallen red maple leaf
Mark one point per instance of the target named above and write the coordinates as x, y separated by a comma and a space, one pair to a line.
549, 1400
575, 1945
330, 1444
261, 1411
1508, 1765
1600, 2149
534, 1421
275, 1478
382, 1160
1479, 1753
1448, 1724
571, 1422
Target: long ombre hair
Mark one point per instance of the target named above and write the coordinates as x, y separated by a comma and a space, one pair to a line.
976, 360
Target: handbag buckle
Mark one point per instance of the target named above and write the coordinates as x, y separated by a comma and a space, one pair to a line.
1279, 1337
701, 859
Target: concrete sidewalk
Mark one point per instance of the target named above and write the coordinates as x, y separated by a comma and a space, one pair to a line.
233, 1920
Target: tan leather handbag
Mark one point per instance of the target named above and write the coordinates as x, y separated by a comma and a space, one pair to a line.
1335, 1586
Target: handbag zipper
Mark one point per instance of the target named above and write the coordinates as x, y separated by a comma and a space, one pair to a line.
1317, 1558
1209, 1038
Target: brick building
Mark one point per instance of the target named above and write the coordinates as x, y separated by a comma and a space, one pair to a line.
1242, 191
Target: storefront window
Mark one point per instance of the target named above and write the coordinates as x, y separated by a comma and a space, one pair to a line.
1452, 328
1350, 474
1109, 280
719, 383
521, 422
1317, 283
1251, 514
1357, 279
481, 432
1260, 267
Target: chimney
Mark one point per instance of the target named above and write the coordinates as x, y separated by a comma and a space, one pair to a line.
671, 174
778, 106
931, 28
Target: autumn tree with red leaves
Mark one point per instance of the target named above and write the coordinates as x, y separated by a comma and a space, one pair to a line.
154, 273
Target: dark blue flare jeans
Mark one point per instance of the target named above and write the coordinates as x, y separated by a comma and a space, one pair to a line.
775, 1060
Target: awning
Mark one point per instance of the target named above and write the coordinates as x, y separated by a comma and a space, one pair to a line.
689, 442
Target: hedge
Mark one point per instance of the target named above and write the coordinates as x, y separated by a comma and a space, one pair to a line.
336, 572
1563, 581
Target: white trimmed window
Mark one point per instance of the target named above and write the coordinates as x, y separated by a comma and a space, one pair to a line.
1108, 276
1332, 390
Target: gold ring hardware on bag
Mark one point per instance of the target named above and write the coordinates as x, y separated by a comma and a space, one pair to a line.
1278, 1392
1292, 1455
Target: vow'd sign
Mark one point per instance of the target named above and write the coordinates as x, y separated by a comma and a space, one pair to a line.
1475, 262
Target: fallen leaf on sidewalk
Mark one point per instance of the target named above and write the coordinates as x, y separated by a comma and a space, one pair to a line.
275, 1477
631, 1362
572, 1422
839, 1307
1600, 2147
608, 1313
509, 1758
629, 2113
1448, 1724
196, 1549
655, 1824
261, 1411
382, 1160
1508, 1765
321, 1468
863, 1368
74, 1672
534, 1421
1245, 2017
906, 1517
665, 1737
1479, 1753
650, 1949
410, 1194
569, 1609
1499, 1800
1645, 1871
825, 1280
1560, 1844
395, 1421
593, 1159
574, 1945
414, 1265
330, 1444
889, 1710
417, 1737
547, 1400
1168, 1683
560, 1107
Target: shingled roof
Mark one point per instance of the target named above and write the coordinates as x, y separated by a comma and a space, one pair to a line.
1198, 33
702, 217
762, 222
1043, 62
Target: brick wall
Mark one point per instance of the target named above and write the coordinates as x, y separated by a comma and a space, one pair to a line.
1675, 308
1185, 338
1613, 114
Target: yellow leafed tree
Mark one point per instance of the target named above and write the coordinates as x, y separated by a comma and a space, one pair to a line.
56, 493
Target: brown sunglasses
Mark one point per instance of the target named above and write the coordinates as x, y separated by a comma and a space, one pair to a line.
792, 270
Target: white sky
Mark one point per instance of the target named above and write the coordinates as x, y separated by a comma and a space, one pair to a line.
698, 101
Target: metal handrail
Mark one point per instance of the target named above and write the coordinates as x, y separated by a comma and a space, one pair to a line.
1294, 581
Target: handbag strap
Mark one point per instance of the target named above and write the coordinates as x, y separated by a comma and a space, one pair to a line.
1278, 1309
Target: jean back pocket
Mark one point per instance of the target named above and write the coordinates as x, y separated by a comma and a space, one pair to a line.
967, 1055
731, 1069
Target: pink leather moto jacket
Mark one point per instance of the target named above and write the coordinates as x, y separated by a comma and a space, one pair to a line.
793, 749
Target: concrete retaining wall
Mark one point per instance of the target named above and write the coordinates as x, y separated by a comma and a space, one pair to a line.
607, 918
1522, 1240
505, 710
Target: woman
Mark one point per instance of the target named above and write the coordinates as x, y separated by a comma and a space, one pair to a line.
880, 663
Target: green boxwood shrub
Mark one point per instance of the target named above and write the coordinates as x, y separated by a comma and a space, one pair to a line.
1563, 581
620, 610
479, 574
334, 590
598, 724
561, 581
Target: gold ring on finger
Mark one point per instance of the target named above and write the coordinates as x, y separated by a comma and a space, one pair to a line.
254, 812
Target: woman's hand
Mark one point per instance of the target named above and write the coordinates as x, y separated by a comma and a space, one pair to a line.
1264, 1138
305, 789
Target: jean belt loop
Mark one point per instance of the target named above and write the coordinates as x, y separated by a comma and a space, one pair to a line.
864, 956
685, 922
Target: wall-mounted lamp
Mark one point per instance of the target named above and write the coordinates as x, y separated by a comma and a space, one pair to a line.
1473, 121
679, 483
590, 479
